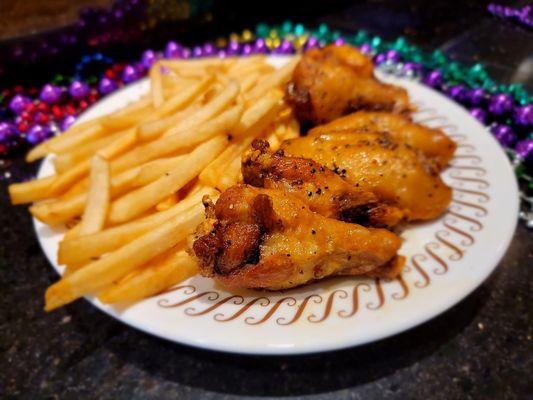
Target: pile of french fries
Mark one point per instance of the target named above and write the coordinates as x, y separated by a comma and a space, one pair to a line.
129, 185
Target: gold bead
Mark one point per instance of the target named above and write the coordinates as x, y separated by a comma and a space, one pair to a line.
234, 37
247, 35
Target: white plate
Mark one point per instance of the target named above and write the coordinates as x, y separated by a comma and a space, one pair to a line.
447, 259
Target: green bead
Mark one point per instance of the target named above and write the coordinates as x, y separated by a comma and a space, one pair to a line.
286, 27
262, 30
323, 29
375, 42
400, 44
438, 57
299, 29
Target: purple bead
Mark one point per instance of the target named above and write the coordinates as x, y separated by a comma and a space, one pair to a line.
365, 48
392, 55
524, 115
148, 58
504, 134
433, 79
67, 122
260, 46
339, 42
50, 94
412, 67
500, 104
233, 48
380, 58
285, 47
525, 148
36, 134
247, 50
172, 50
129, 74
479, 114
107, 86
7, 130
209, 49
475, 96
457, 92
185, 53
197, 52
78, 89
18, 103
311, 43
221, 53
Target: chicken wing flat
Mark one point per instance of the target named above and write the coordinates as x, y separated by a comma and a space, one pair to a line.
394, 172
320, 188
262, 238
337, 80
433, 143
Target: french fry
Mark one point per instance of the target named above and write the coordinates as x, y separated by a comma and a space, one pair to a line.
180, 141
98, 196
126, 121
64, 181
211, 109
231, 174
98, 274
156, 86
120, 145
140, 200
158, 275
258, 115
34, 190
43, 148
71, 142
184, 97
248, 82
211, 174
65, 161
64, 209
273, 80
82, 248
165, 204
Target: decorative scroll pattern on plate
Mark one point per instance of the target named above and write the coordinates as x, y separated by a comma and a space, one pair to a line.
454, 235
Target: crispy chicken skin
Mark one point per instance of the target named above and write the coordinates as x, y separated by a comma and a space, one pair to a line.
269, 239
433, 143
337, 80
395, 172
320, 188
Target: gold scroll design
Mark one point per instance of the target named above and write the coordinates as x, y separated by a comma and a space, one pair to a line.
449, 243
462, 220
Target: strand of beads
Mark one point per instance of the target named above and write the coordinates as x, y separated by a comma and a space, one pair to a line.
523, 16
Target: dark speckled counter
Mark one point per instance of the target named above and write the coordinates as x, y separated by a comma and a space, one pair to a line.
480, 349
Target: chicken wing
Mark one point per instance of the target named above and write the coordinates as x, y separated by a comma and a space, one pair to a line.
337, 80
262, 238
394, 172
433, 143
320, 188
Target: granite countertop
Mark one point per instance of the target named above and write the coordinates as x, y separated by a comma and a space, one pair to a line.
480, 349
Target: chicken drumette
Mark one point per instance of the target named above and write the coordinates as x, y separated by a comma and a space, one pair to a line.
433, 143
337, 80
320, 188
263, 238
396, 173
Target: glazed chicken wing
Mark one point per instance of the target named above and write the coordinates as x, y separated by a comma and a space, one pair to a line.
394, 172
320, 188
433, 143
337, 80
262, 238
